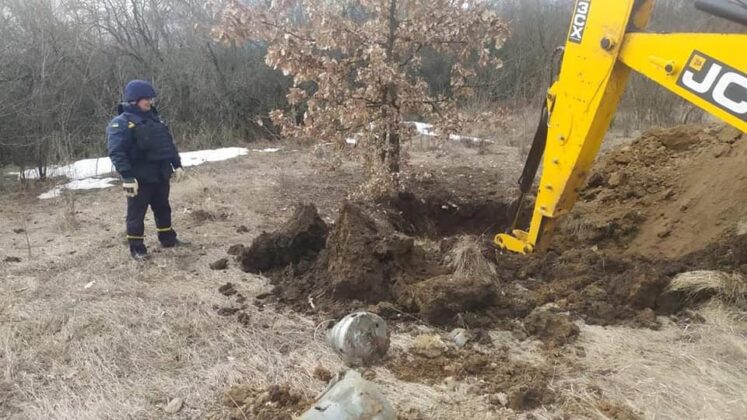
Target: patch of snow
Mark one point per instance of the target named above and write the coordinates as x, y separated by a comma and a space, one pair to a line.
55, 192
84, 172
267, 150
214, 155
426, 129
423, 128
88, 168
81, 169
79, 184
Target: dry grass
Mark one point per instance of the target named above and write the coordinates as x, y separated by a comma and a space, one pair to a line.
137, 338
69, 221
87, 334
467, 260
728, 288
696, 372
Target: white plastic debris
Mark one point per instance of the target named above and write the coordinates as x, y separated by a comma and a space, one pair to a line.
351, 398
360, 339
174, 406
460, 336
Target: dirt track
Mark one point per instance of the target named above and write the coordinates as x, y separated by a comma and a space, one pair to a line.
86, 333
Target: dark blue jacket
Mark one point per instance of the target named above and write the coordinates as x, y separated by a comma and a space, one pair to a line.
141, 146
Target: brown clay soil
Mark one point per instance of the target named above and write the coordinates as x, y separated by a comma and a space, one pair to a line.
671, 192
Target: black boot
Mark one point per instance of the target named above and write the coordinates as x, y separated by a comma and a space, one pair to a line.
139, 252
173, 243
167, 238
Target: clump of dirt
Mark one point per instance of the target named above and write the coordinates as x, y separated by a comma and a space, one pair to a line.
220, 264
360, 253
393, 250
668, 193
550, 326
227, 289
602, 287
439, 299
323, 374
276, 402
299, 239
201, 216
235, 250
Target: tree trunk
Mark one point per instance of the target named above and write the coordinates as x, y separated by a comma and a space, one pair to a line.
392, 149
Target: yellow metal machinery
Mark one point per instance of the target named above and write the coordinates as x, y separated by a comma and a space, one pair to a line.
605, 42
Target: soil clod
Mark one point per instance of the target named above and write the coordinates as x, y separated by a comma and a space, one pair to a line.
235, 249
220, 264
322, 373
227, 289
551, 326
300, 237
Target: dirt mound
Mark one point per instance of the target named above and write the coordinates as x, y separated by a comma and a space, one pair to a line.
395, 254
366, 260
440, 299
299, 239
360, 255
391, 250
671, 192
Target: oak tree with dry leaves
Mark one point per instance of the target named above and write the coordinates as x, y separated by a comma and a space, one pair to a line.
355, 66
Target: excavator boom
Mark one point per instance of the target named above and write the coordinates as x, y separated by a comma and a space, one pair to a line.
605, 42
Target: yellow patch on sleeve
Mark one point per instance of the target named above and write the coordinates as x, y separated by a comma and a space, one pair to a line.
130, 124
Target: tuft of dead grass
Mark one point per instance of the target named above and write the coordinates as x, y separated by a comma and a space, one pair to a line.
728, 288
467, 260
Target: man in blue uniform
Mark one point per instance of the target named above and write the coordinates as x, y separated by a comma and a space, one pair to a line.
144, 154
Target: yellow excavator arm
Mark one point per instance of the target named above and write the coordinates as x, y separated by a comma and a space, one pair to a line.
605, 42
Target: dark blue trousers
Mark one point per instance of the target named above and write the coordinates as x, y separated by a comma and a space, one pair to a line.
155, 195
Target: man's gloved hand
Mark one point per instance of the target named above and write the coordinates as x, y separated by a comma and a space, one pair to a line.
179, 174
130, 187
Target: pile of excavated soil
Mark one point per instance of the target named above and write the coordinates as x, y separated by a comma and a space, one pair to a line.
297, 242
368, 262
671, 192
370, 259
391, 256
391, 250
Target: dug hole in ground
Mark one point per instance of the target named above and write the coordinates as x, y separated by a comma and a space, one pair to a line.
637, 310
